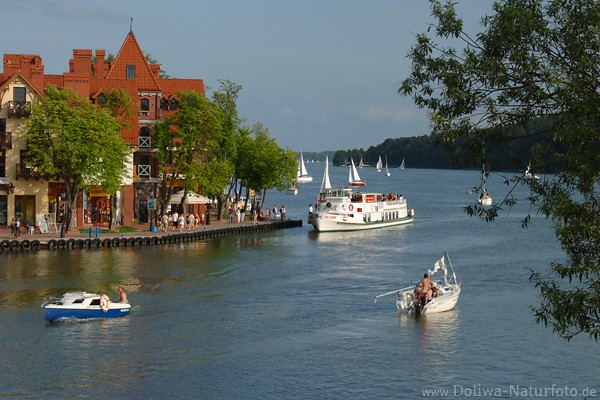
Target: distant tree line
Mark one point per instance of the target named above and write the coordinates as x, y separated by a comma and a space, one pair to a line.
505, 154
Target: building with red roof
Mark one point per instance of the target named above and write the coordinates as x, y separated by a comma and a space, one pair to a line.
34, 200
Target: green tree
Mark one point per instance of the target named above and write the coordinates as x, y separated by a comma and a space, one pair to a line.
533, 59
264, 164
186, 146
72, 140
119, 105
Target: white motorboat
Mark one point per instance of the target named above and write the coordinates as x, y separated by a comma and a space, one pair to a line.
302, 175
82, 305
444, 292
341, 209
353, 177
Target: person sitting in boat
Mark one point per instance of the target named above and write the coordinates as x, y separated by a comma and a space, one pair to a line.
122, 295
423, 290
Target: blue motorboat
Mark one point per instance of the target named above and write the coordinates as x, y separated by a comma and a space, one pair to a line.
82, 305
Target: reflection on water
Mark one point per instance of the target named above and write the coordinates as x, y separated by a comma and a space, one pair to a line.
290, 314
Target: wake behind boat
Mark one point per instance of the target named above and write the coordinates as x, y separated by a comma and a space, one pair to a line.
81, 305
429, 296
341, 209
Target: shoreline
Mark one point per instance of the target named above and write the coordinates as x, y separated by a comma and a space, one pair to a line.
76, 240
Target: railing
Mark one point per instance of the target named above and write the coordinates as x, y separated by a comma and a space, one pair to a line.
4, 182
144, 170
26, 172
6, 139
19, 108
144, 141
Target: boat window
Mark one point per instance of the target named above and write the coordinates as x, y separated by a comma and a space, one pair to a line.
78, 301
95, 302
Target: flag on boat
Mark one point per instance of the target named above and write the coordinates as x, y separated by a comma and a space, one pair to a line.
439, 264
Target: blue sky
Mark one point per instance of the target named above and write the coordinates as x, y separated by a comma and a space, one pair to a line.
319, 74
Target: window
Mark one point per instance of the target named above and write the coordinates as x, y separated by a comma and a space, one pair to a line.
19, 94
173, 104
130, 72
145, 105
2, 124
101, 99
164, 104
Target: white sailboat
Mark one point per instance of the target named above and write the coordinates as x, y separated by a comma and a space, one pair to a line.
353, 177
360, 164
387, 171
379, 164
445, 292
484, 198
303, 175
402, 164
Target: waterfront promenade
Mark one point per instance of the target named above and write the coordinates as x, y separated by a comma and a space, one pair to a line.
94, 237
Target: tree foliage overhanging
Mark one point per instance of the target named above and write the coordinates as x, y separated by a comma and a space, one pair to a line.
534, 60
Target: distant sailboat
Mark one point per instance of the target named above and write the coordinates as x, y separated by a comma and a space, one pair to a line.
353, 177
401, 165
484, 198
360, 164
303, 175
379, 164
387, 171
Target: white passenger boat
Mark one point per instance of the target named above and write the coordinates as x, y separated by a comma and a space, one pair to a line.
83, 305
444, 292
341, 209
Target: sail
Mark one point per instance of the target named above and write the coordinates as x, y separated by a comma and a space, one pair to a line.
379, 164
353, 174
387, 171
402, 165
326, 184
360, 164
301, 167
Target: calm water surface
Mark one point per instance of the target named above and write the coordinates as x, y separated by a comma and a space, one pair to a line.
290, 314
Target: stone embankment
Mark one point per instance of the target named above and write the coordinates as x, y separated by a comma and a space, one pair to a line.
37, 242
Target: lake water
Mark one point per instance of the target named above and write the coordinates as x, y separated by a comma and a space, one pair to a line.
290, 314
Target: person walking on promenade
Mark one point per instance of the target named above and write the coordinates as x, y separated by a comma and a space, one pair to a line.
165, 222
175, 219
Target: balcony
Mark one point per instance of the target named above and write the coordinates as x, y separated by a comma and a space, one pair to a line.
144, 170
5, 184
144, 142
6, 139
26, 172
19, 108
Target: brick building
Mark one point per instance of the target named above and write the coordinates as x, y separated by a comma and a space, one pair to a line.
29, 197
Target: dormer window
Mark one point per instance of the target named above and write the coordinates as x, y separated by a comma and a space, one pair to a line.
173, 104
164, 104
130, 72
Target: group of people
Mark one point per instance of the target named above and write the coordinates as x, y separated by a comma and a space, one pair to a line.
425, 291
16, 228
267, 215
178, 222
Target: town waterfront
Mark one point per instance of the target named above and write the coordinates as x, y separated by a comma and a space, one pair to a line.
290, 313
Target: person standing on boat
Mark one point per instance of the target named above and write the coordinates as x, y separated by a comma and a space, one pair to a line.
122, 295
310, 210
423, 289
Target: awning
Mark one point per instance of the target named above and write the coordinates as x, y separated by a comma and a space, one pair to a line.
191, 198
